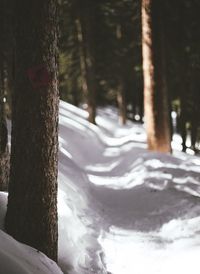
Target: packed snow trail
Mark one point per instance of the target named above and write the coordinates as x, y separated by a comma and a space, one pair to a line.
121, 208
124, 210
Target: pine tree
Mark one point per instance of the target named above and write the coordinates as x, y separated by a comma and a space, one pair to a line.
155, 88
32, 202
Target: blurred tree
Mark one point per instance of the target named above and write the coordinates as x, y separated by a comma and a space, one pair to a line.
77, 56
113, 68
188, 21
183, 66
119, 55
155, 89
85, 28
69, 55
4, 152
117, 51
32, 202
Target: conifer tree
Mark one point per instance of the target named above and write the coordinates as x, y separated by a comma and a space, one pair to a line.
154, 70
32, 202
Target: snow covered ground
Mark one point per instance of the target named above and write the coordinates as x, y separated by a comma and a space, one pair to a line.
17, 258
122, 209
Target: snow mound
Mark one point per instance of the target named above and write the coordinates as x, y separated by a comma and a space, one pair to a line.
17, 258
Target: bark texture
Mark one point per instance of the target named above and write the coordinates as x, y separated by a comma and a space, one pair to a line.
155, 89
32, 202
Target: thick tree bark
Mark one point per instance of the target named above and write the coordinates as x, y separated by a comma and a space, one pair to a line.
155, 90
85, 14
32, 202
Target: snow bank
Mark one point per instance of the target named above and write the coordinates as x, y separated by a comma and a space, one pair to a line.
17, 258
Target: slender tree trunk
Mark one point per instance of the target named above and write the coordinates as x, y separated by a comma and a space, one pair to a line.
121, 100
194, 132
121, 94
86, 20
182, 71
183, 118
81, 55
32, 202
4, 152
155, 90
75, 96
195, 111
6, 45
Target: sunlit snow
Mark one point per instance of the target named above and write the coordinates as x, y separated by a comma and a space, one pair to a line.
139, 209
123, 209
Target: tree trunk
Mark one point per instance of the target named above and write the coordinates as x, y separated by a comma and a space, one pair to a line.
183, 75
85, 13
4, 152
182, 126
155, 90
32, 202
75, 96
121, 100
121, 94
195, 111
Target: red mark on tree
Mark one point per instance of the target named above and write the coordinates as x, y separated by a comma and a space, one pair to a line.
39, 76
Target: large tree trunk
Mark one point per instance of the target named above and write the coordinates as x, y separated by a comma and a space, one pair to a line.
85, 21
32, 202
155, 90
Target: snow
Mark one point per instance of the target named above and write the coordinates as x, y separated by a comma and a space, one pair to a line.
17, 258
122, 209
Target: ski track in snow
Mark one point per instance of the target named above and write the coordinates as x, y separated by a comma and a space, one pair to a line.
136, 211
121, 208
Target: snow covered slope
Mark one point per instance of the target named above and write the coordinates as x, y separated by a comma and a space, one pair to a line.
122, 209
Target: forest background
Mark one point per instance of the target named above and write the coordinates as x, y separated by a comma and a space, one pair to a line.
141, 56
